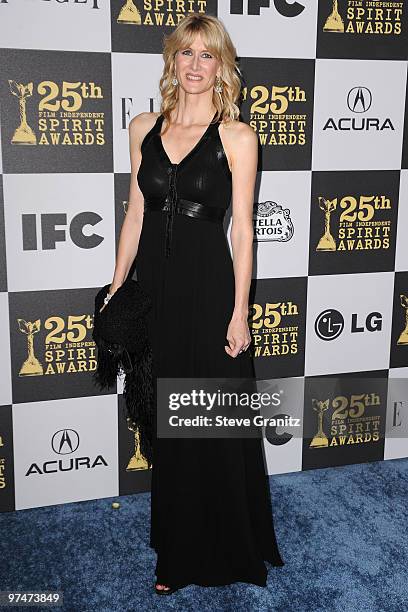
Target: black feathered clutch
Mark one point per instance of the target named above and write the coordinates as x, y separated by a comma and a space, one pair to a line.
120, 334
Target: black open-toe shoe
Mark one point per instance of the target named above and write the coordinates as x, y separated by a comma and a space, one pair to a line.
167, 591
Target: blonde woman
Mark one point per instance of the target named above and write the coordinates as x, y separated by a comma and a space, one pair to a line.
211, 515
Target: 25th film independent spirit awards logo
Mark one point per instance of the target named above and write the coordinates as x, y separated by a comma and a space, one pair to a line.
138, 26
58, 117
280, 110
52, 350
130, 14
277, 323
362, 29
365, 17
344, 420
353, 225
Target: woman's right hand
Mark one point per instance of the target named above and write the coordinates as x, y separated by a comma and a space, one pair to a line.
112, 290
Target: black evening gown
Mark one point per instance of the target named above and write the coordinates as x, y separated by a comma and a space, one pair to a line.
211, 513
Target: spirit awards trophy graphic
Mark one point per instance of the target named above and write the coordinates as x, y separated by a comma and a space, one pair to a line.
403, 339
320, 439
137, 461
31, 366
326, 242
129, 14
23, 133
334, 22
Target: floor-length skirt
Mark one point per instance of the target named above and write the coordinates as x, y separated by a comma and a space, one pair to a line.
211, 514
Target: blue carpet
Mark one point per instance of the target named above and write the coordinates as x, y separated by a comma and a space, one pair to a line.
342, 534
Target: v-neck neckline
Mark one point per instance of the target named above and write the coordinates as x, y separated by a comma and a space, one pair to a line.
192, 151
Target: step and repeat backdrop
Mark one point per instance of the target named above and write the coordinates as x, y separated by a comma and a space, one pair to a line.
325, 90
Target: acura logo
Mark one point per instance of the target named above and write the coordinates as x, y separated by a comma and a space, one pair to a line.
65, 441
359, 99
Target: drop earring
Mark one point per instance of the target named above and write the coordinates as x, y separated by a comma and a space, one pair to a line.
218, 85
174, 80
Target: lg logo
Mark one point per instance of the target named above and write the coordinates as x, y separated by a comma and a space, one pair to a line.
284, 8
48, 234
330, 323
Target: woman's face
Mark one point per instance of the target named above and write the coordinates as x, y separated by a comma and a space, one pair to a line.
196, 68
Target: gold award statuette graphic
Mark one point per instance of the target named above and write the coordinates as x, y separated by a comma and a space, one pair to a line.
137, 461
129, 14
320, 439
326, 242
334, 22
31, 366
403, 339
23, 134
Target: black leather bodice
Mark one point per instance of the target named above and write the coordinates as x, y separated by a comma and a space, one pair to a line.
200, 185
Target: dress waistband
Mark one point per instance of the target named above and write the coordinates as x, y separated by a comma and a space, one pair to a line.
173, 204
186, 207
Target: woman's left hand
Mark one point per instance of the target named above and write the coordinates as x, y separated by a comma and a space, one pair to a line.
238, 336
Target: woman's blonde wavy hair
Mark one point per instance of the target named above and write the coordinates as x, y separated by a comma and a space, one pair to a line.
219, 43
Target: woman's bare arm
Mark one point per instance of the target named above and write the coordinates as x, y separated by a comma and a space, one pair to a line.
133, 221
244, 156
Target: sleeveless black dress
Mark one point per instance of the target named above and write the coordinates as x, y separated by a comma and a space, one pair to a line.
211, 514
